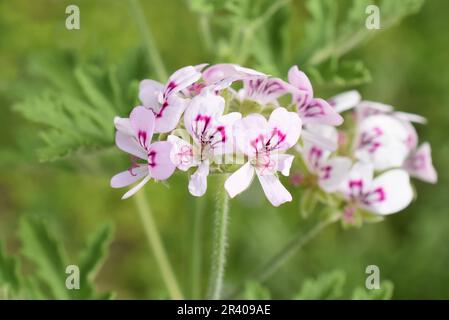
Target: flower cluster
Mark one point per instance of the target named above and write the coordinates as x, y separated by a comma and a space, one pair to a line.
229, 119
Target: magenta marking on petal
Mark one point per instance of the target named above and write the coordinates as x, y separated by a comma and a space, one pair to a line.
185, 155
355, 188
377, 195
152, 158
314, 156
134, 165
369, 140
142, 137
314, 109
326, 172
170, 87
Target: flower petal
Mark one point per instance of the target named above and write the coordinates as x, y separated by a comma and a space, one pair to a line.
182, 153
318, 140
142, 121
124, 125
136, 188
180, 80
202, 113
160, 165
366, 109
169, 114
284, 128
333, 172
198, 180
419, 164
130, 145
382, 140
299, 80
319, 111
247, 130
284, 163
345, 100
125, 178
240, 180
150, 92
274, 190
358, 181
265, 90
390, 192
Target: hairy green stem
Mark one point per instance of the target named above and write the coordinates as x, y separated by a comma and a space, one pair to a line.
279, 259
196, 247
155, 243
154, 58
220, 241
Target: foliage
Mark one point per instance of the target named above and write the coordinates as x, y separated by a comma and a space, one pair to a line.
44, 251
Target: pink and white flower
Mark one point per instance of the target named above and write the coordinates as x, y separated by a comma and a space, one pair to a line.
134, 136
211, 132
167, 101
419, 164
312, 110
329, 170
382, 140
263, 142
383, 195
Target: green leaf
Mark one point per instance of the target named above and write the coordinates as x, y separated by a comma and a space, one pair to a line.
76, 102
326, 286
384, 293
9, 271
255, 291
347, 73
39, 246
91, 259
327, 37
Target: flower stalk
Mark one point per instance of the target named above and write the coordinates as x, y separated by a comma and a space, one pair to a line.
155, 243
220, 242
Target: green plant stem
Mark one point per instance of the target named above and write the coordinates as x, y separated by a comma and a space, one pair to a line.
155, 243
196, 248
220, 241
154, 58
279, 259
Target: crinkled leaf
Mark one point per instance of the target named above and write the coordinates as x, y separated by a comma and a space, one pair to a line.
326, 286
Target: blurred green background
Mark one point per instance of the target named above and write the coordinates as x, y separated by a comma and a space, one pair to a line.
409, 69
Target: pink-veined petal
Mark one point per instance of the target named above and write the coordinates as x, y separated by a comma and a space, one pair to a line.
136, 188
202, 113
382, 140
389, 193
284, 128
345, 100
240, 180
225, 133
358, 180
320, 112
142, 121
299, 80
125, 178
264, 90
419, 164
160, 165
150, 92
274, 190
180, 80
168, 116
247, 129
182, 153
333, 172
198, 180
366, 109
130, 145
